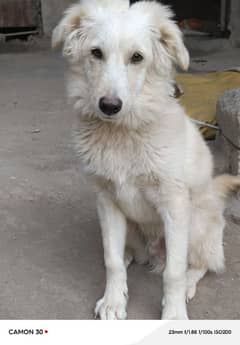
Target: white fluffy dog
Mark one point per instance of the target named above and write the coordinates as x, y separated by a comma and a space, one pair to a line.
152, 169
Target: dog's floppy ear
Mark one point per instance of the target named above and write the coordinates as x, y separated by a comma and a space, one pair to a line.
172, 40
69, 23
165, 30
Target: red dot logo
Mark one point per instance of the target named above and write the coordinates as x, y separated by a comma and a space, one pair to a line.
46, 331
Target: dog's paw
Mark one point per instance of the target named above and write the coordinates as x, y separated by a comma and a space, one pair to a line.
174, 313
110, 308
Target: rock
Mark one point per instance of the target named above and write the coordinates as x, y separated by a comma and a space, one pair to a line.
228, 118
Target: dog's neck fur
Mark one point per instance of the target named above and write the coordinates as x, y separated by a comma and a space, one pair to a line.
103, 145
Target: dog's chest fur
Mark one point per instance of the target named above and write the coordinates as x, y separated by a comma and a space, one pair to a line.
121, 164
133, 203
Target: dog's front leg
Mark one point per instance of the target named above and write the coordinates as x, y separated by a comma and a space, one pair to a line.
114, 227
173, 206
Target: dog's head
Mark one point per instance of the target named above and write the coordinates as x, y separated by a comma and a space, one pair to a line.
115, 50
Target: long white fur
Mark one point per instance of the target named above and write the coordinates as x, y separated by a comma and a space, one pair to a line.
149, 162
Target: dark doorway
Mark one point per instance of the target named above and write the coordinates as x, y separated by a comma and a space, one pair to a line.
212, 16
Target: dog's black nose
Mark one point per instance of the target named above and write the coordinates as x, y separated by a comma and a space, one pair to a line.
110, 106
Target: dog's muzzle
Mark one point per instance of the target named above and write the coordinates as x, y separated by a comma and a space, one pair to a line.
110, 106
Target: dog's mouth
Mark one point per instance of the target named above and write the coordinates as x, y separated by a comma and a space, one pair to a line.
107, 118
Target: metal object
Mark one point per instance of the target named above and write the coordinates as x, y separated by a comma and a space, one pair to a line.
205, 124
23, 33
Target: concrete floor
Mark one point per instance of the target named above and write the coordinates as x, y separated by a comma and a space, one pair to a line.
50, 249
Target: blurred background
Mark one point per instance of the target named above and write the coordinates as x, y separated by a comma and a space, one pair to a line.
216, 18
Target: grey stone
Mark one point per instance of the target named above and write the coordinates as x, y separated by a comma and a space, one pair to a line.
228, 118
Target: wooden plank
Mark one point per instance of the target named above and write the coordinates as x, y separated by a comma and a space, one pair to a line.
18, 13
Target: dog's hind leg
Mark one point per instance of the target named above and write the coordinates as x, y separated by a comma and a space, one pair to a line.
206, 248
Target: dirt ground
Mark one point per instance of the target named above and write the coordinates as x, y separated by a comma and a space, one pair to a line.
51, 259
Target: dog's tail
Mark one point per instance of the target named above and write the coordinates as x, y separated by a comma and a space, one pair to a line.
226, 184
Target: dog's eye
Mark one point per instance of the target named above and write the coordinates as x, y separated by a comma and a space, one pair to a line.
136, 58
97, 53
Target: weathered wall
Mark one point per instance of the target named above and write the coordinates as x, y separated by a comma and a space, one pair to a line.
235, 22
18, 13
51, 13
